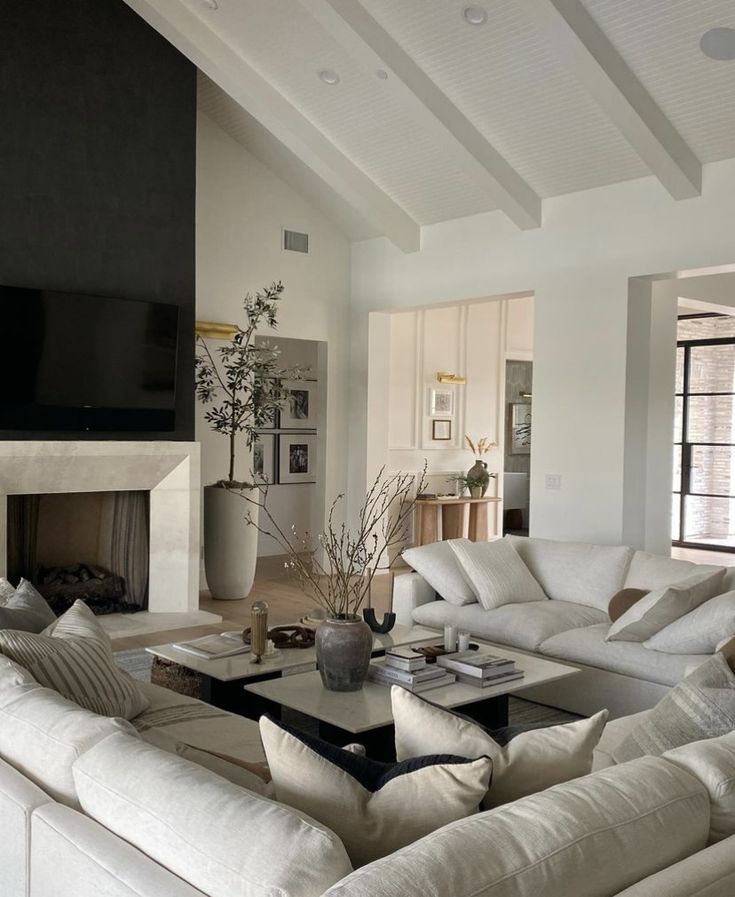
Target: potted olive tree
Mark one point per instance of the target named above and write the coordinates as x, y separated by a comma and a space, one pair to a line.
242, 382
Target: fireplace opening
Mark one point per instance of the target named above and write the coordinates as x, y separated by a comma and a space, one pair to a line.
92, 546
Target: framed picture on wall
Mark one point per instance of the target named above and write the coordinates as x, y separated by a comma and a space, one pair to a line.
264, 458
441, 402
296, 458
520, 429
299, 411
441, 430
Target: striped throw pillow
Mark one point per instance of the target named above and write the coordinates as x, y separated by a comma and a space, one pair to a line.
73, 656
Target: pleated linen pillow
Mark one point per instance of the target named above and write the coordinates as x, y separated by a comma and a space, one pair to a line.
7, 590
496, 573
700, 706
73, 657
529, 763
375, 808
26, 609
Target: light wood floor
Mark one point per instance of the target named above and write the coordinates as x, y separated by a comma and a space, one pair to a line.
273, 584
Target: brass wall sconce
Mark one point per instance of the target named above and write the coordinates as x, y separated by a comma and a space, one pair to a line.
214, 330
454, 379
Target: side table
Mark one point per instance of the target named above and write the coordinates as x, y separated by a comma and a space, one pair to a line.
439, 519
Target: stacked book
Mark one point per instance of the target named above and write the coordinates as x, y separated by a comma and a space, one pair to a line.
479, 668
407, 668
215, 647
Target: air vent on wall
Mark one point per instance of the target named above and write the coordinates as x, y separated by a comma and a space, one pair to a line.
294, 241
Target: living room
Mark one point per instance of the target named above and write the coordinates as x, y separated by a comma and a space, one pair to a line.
420, 195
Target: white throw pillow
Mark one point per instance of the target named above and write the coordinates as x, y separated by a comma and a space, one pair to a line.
375, 808
6, 591
530, 762
42, 734
26, 609
496, 573
713, 763
76, 660
11, 676
662, 607
438, 566
700, 631
221, 839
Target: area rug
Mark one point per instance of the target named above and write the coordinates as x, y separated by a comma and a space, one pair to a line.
138, 662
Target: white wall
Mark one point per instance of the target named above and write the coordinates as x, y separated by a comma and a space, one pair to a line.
241, 208
578, 267
469, 339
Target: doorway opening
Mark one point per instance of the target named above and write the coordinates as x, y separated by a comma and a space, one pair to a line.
517, 456
703, 506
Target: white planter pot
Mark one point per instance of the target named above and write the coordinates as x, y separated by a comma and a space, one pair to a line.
230, 544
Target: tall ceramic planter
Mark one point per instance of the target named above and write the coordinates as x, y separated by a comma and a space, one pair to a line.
343, 648
230, 543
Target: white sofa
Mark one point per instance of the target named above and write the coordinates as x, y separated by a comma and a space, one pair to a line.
636, 830
579, 580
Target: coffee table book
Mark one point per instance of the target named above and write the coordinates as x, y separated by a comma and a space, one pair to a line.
488, 681
474, 663
214, 647
416, 683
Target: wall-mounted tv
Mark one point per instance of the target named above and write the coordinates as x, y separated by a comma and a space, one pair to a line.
76, 362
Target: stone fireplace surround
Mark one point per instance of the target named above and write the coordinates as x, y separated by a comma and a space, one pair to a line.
169, 470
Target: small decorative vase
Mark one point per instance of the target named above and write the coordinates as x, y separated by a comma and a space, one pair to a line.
343, 649
478, 471
476, 491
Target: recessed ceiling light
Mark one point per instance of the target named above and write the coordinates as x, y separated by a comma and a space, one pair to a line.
382, 74
475, 15
719, 43
328, 76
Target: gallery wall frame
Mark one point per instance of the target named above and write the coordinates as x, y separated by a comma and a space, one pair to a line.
297, 458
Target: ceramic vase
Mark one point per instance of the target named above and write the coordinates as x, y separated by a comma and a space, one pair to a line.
343, 649
478, 471
230, 543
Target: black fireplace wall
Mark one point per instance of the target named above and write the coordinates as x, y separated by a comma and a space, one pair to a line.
97, 166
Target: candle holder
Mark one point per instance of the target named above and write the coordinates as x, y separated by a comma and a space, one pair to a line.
258, 630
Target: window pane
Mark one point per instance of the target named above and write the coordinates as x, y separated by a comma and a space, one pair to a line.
712, 369
676, 484
679, 369
675, 513
711, 419
709, 520
706, 328
678, 405
712, 469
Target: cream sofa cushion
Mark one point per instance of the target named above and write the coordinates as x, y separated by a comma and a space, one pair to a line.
439, 567
661, 607
375, 808
221, 839
588, 838
523, 626
74, 657
588, 646
42, 734
700, 706
654, 571
709, 873
575, 571
713, 763
530, 762
700, 631
496, 573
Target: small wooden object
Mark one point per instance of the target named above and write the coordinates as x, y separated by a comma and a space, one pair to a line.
446, 518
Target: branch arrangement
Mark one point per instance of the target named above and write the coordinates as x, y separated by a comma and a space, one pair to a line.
352, 555
245, 378
482, 447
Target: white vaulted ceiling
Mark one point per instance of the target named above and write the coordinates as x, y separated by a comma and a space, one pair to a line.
547, 97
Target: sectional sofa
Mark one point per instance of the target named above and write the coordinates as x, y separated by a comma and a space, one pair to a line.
113, 815
578, 580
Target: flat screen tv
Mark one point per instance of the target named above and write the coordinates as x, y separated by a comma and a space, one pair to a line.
76, 362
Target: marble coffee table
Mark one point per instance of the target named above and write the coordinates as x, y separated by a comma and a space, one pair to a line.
366, 716
223, 680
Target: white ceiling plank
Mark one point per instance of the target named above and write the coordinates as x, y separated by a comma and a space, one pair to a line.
586, 51
228, 69
358, 32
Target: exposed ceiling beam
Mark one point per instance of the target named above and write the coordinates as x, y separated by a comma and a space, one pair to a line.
227, 68
587, 52
358, 32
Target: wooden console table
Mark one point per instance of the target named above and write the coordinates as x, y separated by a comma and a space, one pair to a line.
445, 519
